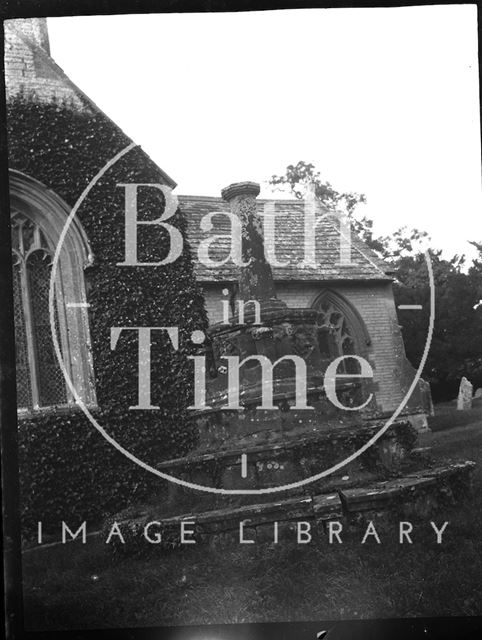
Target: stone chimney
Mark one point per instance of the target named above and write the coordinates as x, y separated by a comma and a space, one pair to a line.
255, 279
35, 29
29, 69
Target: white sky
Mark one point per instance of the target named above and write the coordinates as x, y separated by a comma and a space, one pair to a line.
382, 101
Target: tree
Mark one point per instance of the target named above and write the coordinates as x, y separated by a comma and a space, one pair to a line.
298, 177
456, 347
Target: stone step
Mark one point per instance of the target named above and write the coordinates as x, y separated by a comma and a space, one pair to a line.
416, 493
336, 436
285, 462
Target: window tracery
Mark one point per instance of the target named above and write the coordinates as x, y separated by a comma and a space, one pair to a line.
38, 217
337, 333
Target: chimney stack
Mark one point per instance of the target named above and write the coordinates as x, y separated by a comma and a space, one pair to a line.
35, 29
255, 279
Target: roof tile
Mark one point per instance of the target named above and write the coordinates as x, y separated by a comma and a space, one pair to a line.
289, 243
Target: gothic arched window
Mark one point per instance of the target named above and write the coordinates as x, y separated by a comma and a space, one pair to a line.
38, 217
40, 381
340, 331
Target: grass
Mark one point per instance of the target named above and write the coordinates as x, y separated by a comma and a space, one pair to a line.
447, 416
76, 586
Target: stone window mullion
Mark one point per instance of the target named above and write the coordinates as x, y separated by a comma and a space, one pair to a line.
31, 351
38, 218
23, 363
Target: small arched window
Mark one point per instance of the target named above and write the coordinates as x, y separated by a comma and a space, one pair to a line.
38, 216
341, 331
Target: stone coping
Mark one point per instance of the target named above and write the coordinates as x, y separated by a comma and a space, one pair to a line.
277, 447
375, 496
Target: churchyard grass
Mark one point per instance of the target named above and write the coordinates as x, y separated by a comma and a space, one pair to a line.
75, 586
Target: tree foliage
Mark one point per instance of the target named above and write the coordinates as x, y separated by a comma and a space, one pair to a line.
456, 347
297, 178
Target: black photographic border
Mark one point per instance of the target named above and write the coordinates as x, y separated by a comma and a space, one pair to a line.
375, 629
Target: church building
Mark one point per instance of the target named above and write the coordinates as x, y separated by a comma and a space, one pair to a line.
59, 141
354, 299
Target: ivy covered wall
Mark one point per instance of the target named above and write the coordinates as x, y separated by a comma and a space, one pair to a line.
67, 470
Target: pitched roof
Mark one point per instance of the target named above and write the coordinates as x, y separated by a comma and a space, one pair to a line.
32, 72
289, 243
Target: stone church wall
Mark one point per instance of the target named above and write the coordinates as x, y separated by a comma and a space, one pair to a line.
29, 68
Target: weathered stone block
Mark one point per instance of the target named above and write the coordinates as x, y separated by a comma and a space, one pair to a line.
420, 423
327, 507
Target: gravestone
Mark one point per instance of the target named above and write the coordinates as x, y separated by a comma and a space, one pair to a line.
464, 399
478, 393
